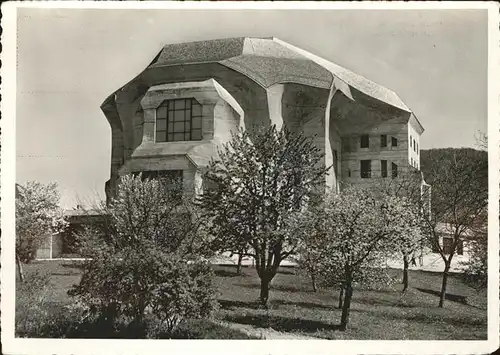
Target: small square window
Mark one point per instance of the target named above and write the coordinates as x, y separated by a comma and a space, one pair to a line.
383, 140
180, 104
178, 127
161, 136
178, 116
161, 112
383, 165
365, 141
161, 125
178, 137
366, 169
196, 134
394, 170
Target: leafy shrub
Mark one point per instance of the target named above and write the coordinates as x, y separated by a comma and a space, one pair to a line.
476, 268
146, 271
133, 282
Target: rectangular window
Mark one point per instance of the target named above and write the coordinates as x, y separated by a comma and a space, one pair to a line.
394, 170
410, 140
365, 141
414, 146
417, 148
178, 120
394, 141
383, 164
366, 169
383, 140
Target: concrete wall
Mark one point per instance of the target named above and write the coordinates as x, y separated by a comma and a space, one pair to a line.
353, 153
352, 120
303, 109
230, 100
51, 247
45, 252
219, 118
225, 121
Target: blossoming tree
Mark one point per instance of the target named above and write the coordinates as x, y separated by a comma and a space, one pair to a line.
38, 215
358, 230
259, 182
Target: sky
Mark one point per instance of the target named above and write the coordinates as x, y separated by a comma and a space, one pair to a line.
70, 60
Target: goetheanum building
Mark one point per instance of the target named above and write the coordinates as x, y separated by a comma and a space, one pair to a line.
171, 118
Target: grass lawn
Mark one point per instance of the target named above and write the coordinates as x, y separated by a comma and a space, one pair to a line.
295, 308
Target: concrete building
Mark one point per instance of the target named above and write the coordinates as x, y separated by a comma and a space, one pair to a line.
171, 118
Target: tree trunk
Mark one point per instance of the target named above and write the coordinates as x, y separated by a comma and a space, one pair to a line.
264, 290
341, 297
346, 307
405, 272
20, 268
238, 267
442, 296
313, 279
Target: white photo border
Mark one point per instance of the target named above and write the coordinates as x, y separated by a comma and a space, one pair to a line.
12, 345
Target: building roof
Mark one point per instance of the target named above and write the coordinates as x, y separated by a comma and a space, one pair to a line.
269, 61
82, 212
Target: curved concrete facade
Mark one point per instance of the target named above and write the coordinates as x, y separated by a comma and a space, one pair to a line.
248, 82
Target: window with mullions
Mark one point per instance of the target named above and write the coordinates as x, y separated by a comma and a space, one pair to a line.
178, 120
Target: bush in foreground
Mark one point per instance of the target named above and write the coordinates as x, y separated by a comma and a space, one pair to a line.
144, 266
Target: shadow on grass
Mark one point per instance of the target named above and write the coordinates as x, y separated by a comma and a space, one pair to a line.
308, 305
227, 273
426, 315
455, 321
449, 296
282, 324
282, 288
73, 265
377, 302
229, 304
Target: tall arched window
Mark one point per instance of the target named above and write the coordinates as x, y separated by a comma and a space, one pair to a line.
178, 120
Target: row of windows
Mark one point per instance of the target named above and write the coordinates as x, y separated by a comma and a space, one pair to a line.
366, 169
413, 162
365, 141
178, 120
413, 144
